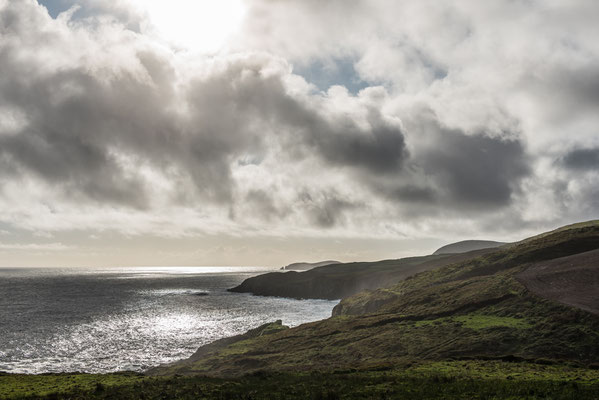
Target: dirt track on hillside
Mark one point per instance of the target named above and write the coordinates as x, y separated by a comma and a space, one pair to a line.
572, 280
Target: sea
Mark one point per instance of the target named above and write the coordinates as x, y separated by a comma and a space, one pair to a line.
129, 319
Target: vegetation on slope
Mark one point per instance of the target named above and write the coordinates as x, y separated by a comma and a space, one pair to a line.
342, 280
474, 309
226, 345
303, 266
419, 380
468, 245
501, 264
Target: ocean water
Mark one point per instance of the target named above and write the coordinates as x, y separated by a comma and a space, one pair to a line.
65, 320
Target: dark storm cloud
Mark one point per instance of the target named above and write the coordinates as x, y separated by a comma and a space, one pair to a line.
81, 123
255, 104
245, 90
65, 139
582, 159
88, 131
325, 210
584, 86
456, 170
381, 150
567, 92
476, 169
251, 104
263, 205
411, 193
78, 126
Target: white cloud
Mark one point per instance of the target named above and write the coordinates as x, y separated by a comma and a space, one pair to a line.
471, 107
35, 247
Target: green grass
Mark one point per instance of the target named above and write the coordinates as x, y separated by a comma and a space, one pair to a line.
522, 371
478, 321
341, 280
415, 380
22, 386
273, 328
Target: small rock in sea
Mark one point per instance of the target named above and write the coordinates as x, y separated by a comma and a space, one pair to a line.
200, 294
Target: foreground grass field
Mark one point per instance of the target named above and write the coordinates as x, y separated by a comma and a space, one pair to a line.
465, 379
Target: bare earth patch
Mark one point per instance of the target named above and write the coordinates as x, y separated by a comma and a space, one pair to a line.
572, 280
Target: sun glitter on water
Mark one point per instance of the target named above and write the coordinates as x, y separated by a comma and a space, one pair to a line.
196, 25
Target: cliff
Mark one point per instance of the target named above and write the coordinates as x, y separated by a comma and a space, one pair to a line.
342, 280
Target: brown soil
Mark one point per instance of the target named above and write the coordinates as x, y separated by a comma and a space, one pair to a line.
572, 280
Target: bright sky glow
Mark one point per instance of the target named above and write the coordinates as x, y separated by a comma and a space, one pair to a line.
196, 25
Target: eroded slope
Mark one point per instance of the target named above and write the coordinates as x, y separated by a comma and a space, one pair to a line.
572, 280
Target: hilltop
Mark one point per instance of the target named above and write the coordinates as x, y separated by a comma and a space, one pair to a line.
303, 266
468, 245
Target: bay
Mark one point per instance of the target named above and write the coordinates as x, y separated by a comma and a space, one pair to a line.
116, 319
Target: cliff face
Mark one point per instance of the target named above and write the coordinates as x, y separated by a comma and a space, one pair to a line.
342, 280
296, 285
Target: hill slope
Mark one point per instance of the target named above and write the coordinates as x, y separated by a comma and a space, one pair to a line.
304, 266
572, 280
476, 308
468, 245
342, 280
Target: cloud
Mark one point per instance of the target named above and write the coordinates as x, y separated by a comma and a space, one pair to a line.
460, 108
582, 159
34, 247
473, 170
91, 123
328, 209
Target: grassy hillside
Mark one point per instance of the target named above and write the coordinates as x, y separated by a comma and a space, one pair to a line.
342, 280
304, 266
473, 309
499, 267
468, 245
424, 380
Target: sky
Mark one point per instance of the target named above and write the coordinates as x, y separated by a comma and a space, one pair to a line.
264, 132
